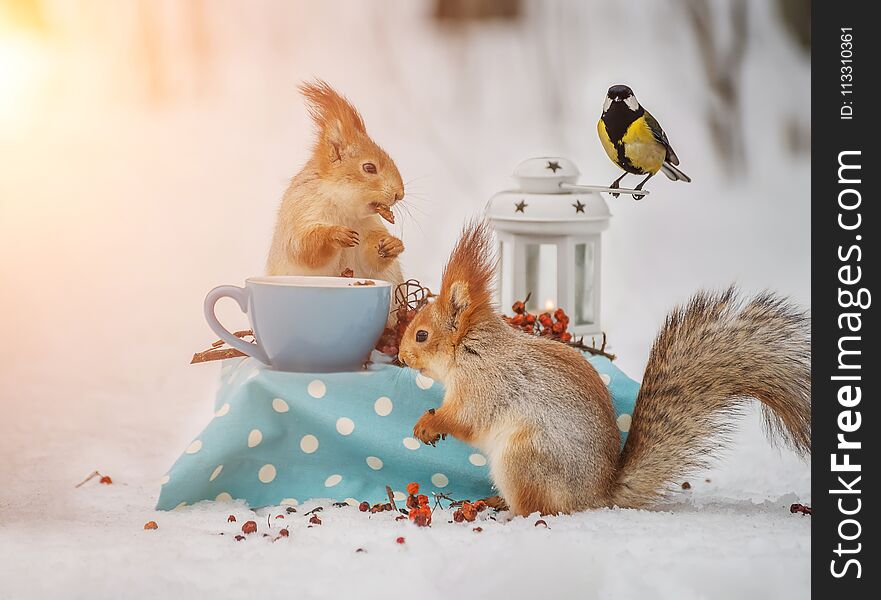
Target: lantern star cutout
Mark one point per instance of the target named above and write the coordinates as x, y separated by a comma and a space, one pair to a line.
553, 165
519, 206
579, 206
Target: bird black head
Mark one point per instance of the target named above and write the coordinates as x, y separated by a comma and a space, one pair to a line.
621, 93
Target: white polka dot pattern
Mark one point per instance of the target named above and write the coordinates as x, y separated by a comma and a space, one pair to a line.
424, 381
440, 480
309, 444
316, 388
345, 425
383, 406
333, 480
478, 460
266, 473
624, 422
215, 473
280, 406
194, 447
411, 443
254, 438
374, 463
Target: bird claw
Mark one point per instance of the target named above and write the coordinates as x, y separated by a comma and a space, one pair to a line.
638, 196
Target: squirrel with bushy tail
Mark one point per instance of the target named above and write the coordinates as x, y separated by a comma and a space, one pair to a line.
543, 417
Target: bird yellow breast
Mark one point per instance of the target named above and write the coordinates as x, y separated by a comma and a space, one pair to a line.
641, 147
608, 146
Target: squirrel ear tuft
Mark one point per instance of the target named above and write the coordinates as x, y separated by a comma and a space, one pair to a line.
459, 300
466, 286
338, 122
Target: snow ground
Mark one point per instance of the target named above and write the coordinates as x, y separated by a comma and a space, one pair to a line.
731, 537
118, 214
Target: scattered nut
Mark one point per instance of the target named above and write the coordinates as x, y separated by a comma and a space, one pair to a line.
151, 525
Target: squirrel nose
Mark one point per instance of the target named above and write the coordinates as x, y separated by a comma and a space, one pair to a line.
398, 196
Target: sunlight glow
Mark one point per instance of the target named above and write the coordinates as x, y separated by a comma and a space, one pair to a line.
23, 69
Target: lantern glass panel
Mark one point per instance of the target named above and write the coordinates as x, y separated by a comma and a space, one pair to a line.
541, 276
585, 307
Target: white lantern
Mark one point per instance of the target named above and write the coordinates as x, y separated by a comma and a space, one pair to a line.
549, 232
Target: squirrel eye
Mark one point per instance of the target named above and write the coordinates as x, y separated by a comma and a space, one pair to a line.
421, 335
369, 168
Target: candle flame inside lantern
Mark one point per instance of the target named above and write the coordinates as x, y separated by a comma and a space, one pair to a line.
549, 305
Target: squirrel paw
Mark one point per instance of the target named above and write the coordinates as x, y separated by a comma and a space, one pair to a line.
343, 236
424, 430
389, 247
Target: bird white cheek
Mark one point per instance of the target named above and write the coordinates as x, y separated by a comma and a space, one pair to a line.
607, 104
632, 103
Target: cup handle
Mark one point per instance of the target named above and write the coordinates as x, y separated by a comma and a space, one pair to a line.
241, 296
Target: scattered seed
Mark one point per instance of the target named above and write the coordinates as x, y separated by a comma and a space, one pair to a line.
279, 516
105, 479
401, 540
360, 550
477, 529
283, 533
686, 485
541, 522
231, 519
290, 510
315, 520
240, 537
151, 525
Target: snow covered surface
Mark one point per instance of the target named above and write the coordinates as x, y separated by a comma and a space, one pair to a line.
119, 212
732, 537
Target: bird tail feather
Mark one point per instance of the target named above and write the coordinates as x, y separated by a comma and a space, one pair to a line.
674, 174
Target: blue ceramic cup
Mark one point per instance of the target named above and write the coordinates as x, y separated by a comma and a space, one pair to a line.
307, 324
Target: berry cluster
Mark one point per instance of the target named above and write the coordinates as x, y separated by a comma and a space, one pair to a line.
417, 504
467, 511
390, 340
379, 507
546, 324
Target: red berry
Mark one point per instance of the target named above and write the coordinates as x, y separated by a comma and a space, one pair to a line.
315, 520
105, 479
401, 540
231, 519
151, 525
458, 516
413, 488
284, 533
477, 529
422, 500
279, 516
364, 507
249, 527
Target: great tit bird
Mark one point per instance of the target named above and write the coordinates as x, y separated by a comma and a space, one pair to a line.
634, 140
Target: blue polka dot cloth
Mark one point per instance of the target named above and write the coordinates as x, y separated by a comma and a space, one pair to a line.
282, 438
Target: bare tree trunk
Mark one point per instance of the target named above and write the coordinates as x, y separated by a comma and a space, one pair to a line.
723, 67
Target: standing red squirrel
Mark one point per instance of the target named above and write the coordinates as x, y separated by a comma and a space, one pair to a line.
544, 418
329, 218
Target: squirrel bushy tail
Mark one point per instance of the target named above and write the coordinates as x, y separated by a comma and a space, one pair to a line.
710, 357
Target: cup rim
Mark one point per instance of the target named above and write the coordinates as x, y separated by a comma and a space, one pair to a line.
315, 281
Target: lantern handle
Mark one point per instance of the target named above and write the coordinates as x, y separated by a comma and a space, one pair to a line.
574, 187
